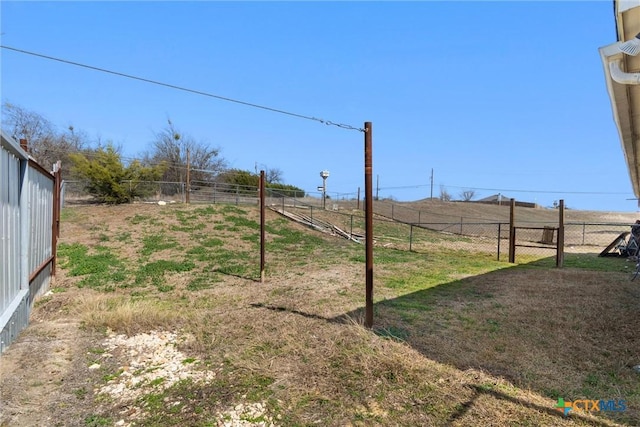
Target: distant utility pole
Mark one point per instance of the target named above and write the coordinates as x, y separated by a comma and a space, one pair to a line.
377, 186
431, 197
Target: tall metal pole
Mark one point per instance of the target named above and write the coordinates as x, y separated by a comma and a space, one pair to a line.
262, 197
368, 190
431, 196
324, 192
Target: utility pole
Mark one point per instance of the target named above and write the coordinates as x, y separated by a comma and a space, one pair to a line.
431, 196
377, 186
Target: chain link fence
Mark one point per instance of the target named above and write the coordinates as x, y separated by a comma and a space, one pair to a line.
419, 228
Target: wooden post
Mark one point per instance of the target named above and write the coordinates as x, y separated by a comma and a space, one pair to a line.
262, 197
512, 232
560, 248
188, 198
368, 190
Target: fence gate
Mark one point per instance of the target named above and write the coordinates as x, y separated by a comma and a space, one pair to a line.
536, 238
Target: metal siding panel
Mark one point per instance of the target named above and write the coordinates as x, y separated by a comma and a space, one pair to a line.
10, 276
40, 285
26, 216
41, 203
18, 321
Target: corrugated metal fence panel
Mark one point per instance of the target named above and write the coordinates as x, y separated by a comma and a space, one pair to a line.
41, 207
41, 211
10, 268
18, 320
14, 285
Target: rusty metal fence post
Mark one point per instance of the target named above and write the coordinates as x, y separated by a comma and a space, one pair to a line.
512, 232
560, 247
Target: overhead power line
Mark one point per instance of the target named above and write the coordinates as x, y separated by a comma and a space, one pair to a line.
505, 190
197, 92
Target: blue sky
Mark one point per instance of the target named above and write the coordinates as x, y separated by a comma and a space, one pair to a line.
503, 97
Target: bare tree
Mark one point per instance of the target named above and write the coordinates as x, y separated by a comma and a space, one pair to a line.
445, 196
24, 124
45, 143
170, 146
273, 176
467, 195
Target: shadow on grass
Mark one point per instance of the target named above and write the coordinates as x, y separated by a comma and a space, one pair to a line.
567, 333
342, 319
479, 391
570, 333
239, 276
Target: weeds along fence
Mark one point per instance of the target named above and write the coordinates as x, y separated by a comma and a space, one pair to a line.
29, 225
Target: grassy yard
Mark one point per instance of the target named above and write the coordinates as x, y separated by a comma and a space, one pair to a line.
459, 339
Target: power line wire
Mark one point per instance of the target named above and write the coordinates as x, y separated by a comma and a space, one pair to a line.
197, 92
508, 190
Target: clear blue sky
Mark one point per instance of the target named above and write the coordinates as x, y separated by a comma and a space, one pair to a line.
494, 96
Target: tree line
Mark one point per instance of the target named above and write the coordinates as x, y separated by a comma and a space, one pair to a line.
111, 178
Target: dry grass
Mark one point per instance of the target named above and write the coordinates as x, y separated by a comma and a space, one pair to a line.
460, 339
125, 315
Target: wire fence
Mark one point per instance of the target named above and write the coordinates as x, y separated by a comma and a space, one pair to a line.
395, 225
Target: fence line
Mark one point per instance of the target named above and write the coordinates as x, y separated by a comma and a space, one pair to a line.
29, 219
577, 234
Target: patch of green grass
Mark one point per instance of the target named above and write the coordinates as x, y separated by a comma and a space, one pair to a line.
207, 211
157, 242
212, 242
97, 421
241, 222
231, 209
102, 269
154, 271
294, 241
393, 332
203, 282
585, 261
200, 252
189, 228
68, 215
76, 258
